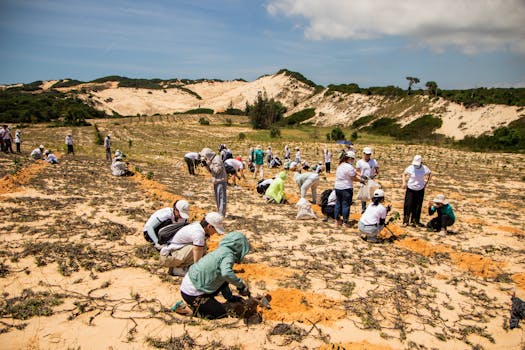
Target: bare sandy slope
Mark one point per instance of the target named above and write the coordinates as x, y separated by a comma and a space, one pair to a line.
72, 251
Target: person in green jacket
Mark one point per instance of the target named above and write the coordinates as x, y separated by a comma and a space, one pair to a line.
212, 275
258, 161
275, 192
445, 215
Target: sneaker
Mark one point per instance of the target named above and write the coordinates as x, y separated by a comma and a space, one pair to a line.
418, 224
442, 233
178, 271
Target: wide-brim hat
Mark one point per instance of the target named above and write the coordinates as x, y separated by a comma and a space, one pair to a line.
440, 198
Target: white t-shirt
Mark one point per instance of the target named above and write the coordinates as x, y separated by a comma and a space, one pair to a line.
159, 216
416, 180
343, 176
69, 140
188, 288
332, 198
192, 155
328, 157
234, 163
373, 214
190, 234
366, 168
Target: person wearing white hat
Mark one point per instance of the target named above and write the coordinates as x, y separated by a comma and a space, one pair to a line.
18, 141
219, 178
297, 155
69, 144
38, 153
415, 179
164, 217
373, 219
188, 245
345, 175
327, 160
258, 161
367, 168
445, 215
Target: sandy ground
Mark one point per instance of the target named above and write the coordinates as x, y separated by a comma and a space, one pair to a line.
75, 271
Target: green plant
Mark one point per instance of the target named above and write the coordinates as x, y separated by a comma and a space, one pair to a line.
204, 121
242, 136
275, 132
98, 137
297, 117
149, 175
228, 122
336, 134
264, 112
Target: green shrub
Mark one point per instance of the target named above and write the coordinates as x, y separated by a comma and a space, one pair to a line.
242, 136
204, 121
98, 137
420, 129
297, 117
336, 134
362, 121
198, 111
228, 122
275, 132
264, 112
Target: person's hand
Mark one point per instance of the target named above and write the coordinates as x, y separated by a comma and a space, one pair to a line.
404, 186
244, 291
388, 208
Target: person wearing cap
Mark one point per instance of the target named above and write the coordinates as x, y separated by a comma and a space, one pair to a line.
305, 181
213, 274
345, 175
180, 212
373, 219
258, 161
188, 245
269, 156
38, 153
191, 159
297, 155
415, 179
367, 168
234, 169
445, 215
107, 147
7, 139
327, 160
18, 141
50, 157
69, 144
287, 153
119, 167
215, 166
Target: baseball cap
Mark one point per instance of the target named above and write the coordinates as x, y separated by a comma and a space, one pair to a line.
184, 208
367, 150
216, 220
417, 160
350, 154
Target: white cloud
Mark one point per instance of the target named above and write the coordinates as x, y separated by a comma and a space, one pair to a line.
471, 26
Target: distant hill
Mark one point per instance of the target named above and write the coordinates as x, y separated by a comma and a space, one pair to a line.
343, 105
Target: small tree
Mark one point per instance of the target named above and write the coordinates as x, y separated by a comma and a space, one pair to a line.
337, 134
432, 87
275, 132
265, 112
411, 81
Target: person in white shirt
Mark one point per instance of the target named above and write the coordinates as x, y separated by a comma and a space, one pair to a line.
367, 168
297, 155
180, 212
119, 167
192, 159
305, 181
7, 139
18, 141
188, 245
287, 152
415, 179
373, 219
345, 175
107, 147
38, 153
69, 144
50, 157
327, 160
234, 169
269, 156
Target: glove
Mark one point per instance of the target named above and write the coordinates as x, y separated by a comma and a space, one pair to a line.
388, 208
158, 246
243, 290
235, 299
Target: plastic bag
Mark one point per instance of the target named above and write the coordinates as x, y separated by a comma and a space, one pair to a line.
305, 210
367, 190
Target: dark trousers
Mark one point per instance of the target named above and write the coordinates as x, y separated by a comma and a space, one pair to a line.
206, 306
191, 165
70, 149
18, 147
108, 154
440, 222
327, 167
343, 203
8, 147
412, 206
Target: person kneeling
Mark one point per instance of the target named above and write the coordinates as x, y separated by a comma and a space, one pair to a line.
445, 215
373, 219
212, 275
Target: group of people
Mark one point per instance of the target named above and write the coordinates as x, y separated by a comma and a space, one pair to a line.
6, 140
45, 154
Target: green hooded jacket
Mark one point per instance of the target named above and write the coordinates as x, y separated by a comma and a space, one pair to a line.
276, 188
213, 269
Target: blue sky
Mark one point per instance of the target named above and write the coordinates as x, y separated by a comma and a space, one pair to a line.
456, 43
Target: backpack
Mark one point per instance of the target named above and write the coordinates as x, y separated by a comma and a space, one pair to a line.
324, 197
166, 233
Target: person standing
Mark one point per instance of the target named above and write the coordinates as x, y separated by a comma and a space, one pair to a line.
258, 161
107, 147
188, 245
345, 175
415, 179
191, 159
7, 139
69, 144
287, 153
297, 155
327, 160
18, 141
269, 156
367, 168
219, 177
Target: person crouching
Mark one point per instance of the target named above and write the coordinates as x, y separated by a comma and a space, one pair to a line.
373, 219
445, 215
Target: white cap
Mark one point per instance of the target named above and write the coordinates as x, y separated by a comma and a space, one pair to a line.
440, 198
183, 208
417, 160
293, 165
350, 154
379, 193
216, 220
41, 146
367, 150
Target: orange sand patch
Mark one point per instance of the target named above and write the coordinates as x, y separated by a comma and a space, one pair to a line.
11, 183
259, 272
364, 345
519, 279
158, 191
292, 198
474, 221
510, 229
395, 230
476, 264
292, 305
